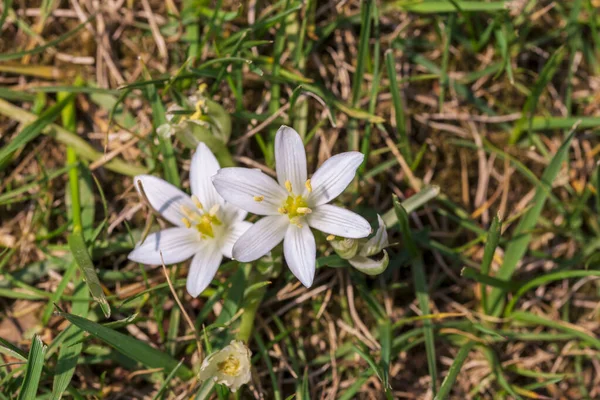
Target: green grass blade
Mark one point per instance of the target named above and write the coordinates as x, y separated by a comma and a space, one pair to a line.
34, 129
398, 107
133, 348
522, 235
536, 320
493, 237
35, 364
454, 370
83, 259
71, 347
420, 282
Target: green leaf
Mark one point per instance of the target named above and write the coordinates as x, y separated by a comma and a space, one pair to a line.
35, 364
449, 380
34, 129
131, 347
421, 289
522, 235
83, 259
71, 348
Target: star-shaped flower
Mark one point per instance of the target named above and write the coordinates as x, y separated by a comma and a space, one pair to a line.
206, 226
292, 206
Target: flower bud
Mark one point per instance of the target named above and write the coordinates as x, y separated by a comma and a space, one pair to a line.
377, 242
344, 247
369, 266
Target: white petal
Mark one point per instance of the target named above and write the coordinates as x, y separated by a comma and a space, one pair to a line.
232, 214
176, 245
203, 268
300, 253
235, 231
165, 198
204, 166
333, 177
243, 186
338, 221
260, 238
290, 159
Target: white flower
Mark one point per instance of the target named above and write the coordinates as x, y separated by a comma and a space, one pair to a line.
229, 366
206, 226
294, 205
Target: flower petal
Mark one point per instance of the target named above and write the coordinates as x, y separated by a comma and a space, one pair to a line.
332, 178
241, 186
204, 166
236, 230
203, 268
165, 198
290, 159
260, 238
176, 245
300, 253
338, 221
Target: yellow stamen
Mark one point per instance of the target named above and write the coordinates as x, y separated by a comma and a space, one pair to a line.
259, 198
308, 185
282, 210
186, 222
197, 202
231, 366
330, 238
288, 186
303, 210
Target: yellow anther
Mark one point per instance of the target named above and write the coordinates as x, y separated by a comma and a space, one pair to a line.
259, 198
282, 210
201, 88
230, 366
330, 238
308, 185
303, 210
186, 222
189, 213
288, 186
197, 202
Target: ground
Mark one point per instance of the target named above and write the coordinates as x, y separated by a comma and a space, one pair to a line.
491, 289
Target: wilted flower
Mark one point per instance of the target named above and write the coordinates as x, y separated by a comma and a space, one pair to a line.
207, 226
348, 249
200, 119
229, 366
294, 205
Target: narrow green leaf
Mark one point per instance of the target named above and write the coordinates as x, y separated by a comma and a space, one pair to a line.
522, 235
71, 348
34, 129
35, 364
454, 370
131, 347
421, 289
82, 258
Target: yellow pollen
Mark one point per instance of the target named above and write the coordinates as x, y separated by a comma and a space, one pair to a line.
203, 222
303, 210
259, 198
231, 366
330, 238
308, 185
197, 202
288, 186
199, 110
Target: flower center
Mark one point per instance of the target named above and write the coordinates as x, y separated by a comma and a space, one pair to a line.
231, 366
201, 220
295, 206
